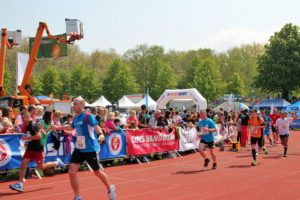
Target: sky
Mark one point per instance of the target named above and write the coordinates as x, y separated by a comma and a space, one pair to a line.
174, 24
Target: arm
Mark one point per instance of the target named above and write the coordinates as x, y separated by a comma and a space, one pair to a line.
98, 130
37, 136
65, 128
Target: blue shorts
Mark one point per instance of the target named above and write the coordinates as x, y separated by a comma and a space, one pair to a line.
267, 132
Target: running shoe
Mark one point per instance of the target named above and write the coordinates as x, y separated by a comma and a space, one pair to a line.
112, 193
271, 141
285, 155
214, 166
206, 162
266, 152
60, 164
77, 198
253, 163
17, 187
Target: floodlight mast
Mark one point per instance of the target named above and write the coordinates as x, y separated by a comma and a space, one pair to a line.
25, 87
4, 43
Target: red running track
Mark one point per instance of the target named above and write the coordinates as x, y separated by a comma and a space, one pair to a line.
275, 177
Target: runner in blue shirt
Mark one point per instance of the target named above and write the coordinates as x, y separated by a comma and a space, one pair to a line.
268, 122
207, 129
87, 147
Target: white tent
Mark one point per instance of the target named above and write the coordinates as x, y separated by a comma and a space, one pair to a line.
182, 94
101, 102
151, 103
124, 102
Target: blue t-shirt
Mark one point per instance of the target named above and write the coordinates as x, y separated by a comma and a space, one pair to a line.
209, 124
86, 133
267, 119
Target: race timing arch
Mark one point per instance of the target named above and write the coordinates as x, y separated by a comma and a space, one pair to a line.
182, 94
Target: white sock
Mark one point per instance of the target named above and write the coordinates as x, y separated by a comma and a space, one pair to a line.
20, 183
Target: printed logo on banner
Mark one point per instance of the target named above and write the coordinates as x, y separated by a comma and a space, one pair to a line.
115, 143
5, 153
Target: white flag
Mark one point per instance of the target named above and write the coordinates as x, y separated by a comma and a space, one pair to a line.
22, 60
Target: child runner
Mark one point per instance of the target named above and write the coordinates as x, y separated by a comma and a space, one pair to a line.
255, 125
33, 152
274, 116
283, 125
268, 122
207, 128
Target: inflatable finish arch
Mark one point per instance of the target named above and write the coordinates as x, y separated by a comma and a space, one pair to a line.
182, 94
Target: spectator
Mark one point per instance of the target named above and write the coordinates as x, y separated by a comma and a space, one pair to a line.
105, 113
94, 111
133, 125
238, 128
194, 119
117, 114
110, 122
143, 121
117, 123
188, 118
39, 113
184, 114
46, 126
103, 127
168, 118
244, 125
32, 111
156, 120
177, 117
18, 121
6, 127
99, 114
132, 118
7, 114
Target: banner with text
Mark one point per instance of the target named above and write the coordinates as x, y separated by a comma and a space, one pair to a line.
147, 141
188, 139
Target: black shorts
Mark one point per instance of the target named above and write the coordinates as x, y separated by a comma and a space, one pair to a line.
274, 129
255, 140
91, 158
283, 136
210, 145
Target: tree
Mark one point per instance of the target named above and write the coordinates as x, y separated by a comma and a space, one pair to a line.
65, 79
37, 86
77, 75
160, 77
279, 66
7, 83
51, 82
90, 87
204, 76
236, 85
119, 81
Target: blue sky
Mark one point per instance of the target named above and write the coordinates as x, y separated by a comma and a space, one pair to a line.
174, 24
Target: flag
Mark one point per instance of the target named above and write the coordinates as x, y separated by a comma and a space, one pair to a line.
272, 108
147, 97
230, 102
22, 60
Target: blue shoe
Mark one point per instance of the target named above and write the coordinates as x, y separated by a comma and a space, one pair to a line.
112, 193
77, 198
61, 164
17, 187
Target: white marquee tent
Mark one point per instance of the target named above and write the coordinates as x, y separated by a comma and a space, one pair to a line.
182, 94
101, 102
124, 102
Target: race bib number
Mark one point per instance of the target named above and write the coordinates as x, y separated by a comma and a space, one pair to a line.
80, 143
254, 129
204, 132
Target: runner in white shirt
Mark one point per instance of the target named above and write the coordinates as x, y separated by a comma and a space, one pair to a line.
283, 125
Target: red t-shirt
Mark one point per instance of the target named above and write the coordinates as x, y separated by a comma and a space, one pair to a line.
274, 118
130, 119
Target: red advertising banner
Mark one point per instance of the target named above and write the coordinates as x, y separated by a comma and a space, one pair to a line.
145, 141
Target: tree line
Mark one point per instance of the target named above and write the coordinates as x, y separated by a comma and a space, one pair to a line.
250, 69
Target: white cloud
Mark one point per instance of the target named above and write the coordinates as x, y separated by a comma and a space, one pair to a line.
234, 37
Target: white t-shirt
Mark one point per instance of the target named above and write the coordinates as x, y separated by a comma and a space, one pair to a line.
284, 125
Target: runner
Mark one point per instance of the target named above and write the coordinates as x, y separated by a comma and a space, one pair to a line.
255, 125
283, 125
207, 129
274, 116
87, 147
33, 152
268, 122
